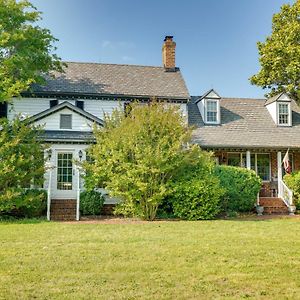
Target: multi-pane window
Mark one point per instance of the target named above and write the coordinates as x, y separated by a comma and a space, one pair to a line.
236, 159
283, 113
260, 163
211, 111
65, 121
64, 171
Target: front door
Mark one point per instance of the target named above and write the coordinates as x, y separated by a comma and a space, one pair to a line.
65, 183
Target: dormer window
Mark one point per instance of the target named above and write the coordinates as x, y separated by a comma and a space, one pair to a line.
209, 107
211, 111
283, 113
280, 109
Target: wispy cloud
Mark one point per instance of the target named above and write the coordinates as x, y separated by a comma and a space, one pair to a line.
106, 44
126, 58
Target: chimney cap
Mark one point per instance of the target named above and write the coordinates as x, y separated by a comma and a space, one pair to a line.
168, 37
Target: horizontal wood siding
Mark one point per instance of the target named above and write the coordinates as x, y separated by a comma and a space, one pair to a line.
79, 123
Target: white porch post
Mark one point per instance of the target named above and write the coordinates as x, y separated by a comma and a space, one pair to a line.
248, 160
78, 195
279, 172
49, 193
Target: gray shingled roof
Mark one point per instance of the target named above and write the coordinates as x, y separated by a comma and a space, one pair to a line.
245, 123
114, 79
67, 136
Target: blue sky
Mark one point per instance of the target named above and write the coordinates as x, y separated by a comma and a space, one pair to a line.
216, 39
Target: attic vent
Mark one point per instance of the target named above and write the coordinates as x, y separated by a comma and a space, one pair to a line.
65, 121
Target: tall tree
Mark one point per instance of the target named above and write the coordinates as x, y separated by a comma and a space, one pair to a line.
280, 54
26, 49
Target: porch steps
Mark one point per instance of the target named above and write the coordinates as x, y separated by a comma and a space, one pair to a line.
273, 205
63, 210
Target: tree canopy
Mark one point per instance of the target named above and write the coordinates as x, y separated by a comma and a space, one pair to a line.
280, 54
26, 49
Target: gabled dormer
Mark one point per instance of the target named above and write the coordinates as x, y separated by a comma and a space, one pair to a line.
280, 109
209, 107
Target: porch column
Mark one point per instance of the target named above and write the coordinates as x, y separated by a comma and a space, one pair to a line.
50, 167
78, 194
248, 160
279, 172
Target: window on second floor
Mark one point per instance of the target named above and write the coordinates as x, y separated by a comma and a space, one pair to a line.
65, 121
211, 111
3, 110
283, 113
53, 103
80, 104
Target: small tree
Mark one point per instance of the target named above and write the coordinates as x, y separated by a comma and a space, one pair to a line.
280, 54
21, 155
26, 50
136, 155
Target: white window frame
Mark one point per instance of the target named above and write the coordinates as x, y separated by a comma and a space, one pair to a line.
288, 104
217, 101
255, 165
243, 155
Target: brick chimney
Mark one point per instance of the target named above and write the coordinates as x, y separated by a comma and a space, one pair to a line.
168, 53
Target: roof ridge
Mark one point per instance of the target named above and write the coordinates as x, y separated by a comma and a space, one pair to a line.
112, 64
243, 98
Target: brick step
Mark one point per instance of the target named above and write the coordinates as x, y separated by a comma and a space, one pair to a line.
271, 202
63, 209
63, 218
275, 210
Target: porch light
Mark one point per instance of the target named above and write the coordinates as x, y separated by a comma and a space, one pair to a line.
80, 154
49, 153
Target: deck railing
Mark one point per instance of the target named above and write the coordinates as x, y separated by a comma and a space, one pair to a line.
285, 193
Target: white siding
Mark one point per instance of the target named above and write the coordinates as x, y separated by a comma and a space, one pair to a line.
33, 106
79, 123
27, 107
272, 108
200, 105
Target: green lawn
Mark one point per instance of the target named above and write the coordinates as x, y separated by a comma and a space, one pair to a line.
159, 260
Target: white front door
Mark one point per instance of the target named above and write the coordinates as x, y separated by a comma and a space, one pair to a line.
64, 181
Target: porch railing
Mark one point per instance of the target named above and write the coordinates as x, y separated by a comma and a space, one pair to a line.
285, 193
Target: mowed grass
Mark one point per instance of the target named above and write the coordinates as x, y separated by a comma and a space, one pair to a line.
156, 260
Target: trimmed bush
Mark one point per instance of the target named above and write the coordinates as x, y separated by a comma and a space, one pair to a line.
195, 190
241, 187
198, 198
293, 182
91, 202
23, 203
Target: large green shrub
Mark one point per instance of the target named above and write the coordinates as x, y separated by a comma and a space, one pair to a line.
293, 182
137, 154
241, 188
197, 199
23, 203
91, 202
196, 190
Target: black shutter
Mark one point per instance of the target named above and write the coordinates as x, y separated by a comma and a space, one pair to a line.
3, 109
80, 104
53, 103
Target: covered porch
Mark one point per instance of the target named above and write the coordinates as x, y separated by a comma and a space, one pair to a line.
267, 163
